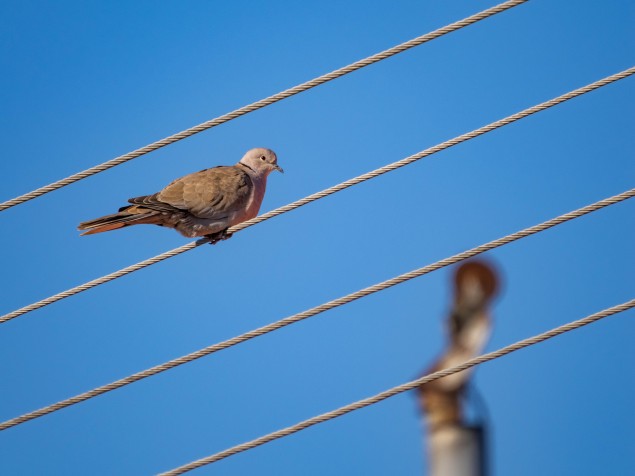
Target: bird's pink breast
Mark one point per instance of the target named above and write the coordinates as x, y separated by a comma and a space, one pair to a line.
255, 200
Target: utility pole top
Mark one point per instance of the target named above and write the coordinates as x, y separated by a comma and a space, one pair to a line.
455, 448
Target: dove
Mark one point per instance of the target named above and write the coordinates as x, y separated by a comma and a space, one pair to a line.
204, 203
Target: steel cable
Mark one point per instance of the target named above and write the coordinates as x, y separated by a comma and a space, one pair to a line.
324, 193
262, 103
399, 389
317, 310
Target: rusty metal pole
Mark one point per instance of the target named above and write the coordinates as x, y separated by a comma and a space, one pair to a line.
455, 448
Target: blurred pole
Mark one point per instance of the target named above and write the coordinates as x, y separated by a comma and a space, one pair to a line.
454, 447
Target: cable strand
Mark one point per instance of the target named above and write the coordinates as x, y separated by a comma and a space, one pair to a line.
324, 193
262, 103
400, 389
317, 310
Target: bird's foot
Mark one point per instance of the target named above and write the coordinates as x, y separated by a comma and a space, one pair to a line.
218, 236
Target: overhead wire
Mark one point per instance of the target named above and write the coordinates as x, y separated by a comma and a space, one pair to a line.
324, 193
400, 389
263, 102
346, 299
318, 309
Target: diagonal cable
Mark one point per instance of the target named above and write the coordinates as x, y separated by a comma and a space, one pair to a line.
263, 102
318, 309
324, 193
400, 389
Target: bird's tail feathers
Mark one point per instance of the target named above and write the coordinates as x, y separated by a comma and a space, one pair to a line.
117, 220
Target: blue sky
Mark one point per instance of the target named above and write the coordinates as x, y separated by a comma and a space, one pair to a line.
84, 82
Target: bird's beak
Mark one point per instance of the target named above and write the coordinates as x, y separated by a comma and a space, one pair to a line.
278, 168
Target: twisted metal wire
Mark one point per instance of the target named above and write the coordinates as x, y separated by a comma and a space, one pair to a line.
399, 389
324, 193
317, 310
263, 102
438, 148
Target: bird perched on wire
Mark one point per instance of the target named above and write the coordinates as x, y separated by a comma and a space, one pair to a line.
204, 203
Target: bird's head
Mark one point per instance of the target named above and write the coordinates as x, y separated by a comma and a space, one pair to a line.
261, 161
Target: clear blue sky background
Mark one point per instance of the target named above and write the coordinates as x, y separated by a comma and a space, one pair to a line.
83, 82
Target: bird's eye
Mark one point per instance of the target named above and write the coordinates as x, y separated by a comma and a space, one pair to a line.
262, 157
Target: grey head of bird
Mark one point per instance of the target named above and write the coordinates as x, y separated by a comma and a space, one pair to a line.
261, 161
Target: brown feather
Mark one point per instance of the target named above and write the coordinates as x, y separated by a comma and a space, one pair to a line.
102, 228
128, 216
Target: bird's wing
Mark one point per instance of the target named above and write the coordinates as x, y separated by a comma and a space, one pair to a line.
212, 193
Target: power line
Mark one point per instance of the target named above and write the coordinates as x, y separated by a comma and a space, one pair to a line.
399, 389
324, 193
263, 102
317, 310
